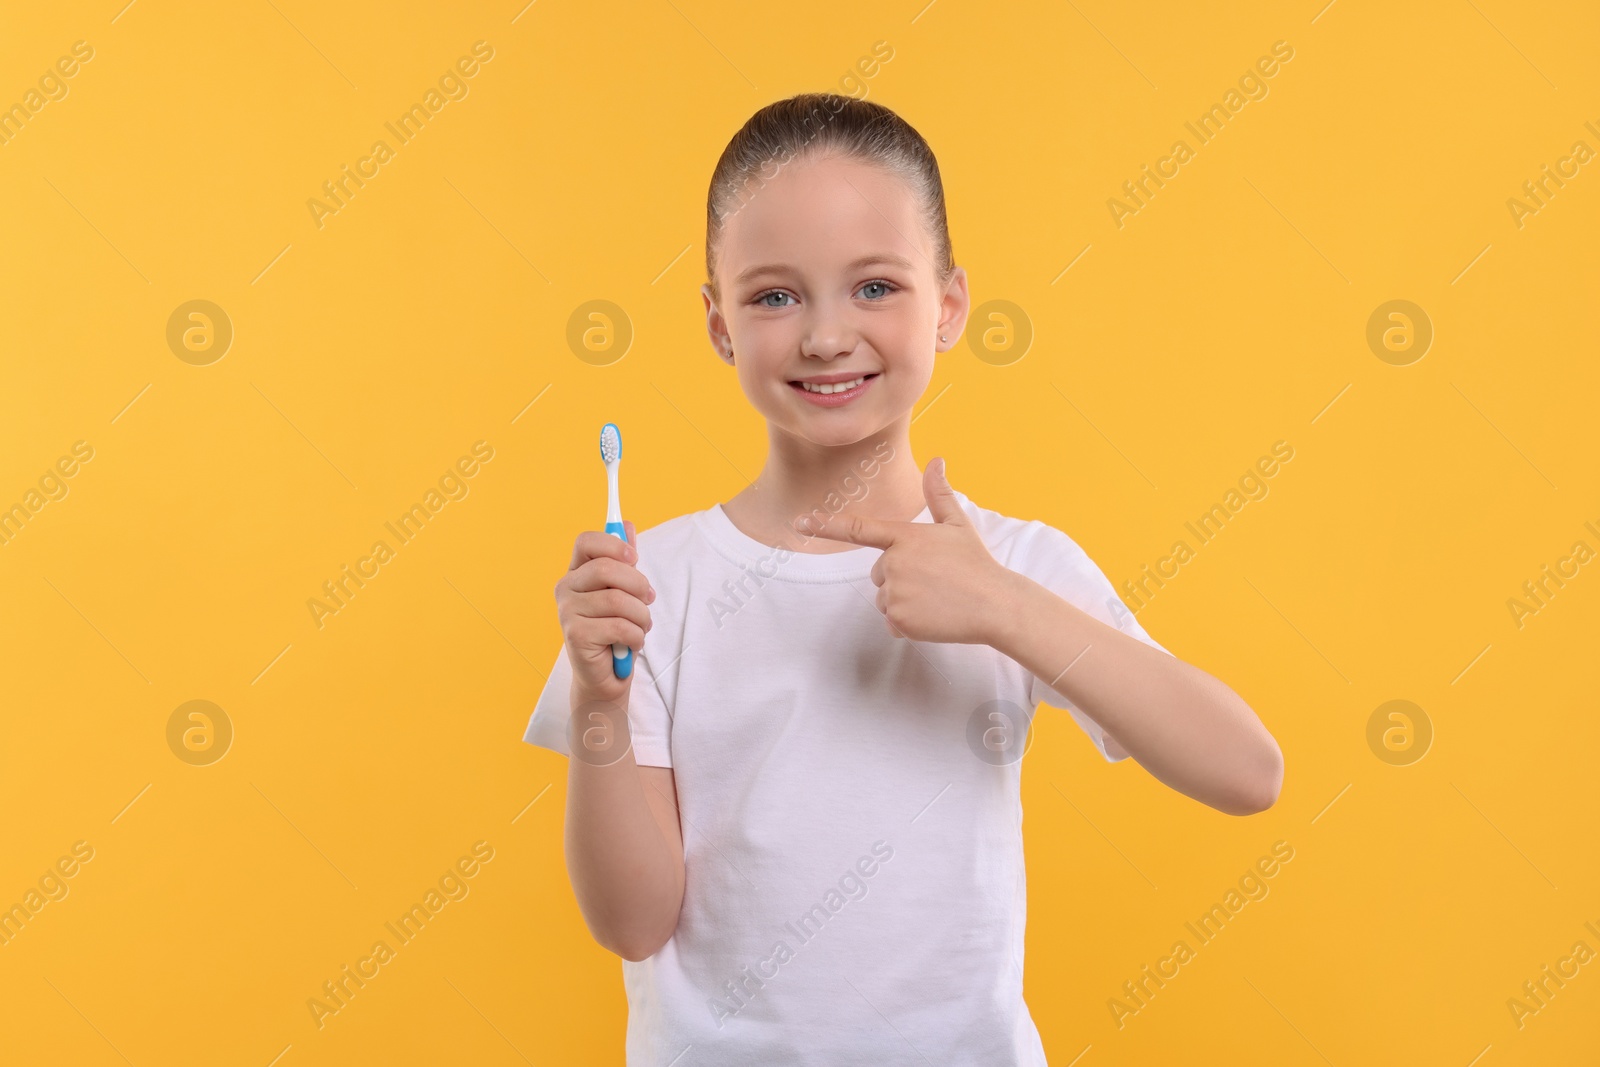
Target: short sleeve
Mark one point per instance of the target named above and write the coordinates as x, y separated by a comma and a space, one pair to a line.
1056, 562
648, 720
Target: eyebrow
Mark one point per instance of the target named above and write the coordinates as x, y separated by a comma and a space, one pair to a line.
865, 261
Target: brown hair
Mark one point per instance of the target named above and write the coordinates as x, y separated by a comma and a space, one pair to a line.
812, 124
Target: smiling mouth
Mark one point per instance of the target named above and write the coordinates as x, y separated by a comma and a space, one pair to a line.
828, 389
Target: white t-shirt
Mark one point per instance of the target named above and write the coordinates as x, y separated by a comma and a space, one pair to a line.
850, 804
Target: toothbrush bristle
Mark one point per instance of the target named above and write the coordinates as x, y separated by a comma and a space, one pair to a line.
610, 443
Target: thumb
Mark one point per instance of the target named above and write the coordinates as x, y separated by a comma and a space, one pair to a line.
942, 502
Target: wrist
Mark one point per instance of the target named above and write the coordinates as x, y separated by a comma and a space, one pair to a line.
1008, 610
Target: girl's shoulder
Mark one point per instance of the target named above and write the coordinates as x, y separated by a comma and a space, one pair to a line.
1013, 540
669, 531
664, 547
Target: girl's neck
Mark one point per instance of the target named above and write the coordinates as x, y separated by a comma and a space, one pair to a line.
877, 477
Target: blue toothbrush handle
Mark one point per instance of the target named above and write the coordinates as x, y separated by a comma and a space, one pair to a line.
621, 655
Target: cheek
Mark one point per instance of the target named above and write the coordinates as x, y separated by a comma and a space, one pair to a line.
764, 341
905, 348
761, 374
906, 330
910, 382
762, 354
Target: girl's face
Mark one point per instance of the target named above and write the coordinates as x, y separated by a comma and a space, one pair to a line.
827, 276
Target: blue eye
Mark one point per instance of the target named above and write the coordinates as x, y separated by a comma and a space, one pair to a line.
771, 292
887, 287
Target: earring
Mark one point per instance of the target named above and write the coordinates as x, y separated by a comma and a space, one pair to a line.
941, 337
730, 355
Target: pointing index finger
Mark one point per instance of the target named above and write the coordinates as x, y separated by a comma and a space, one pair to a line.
856, 529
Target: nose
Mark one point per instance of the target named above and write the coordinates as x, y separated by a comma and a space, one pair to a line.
829, 334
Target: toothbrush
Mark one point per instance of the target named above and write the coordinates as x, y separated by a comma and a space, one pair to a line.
611, 453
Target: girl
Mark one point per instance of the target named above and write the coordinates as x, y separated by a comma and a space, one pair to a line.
798, 820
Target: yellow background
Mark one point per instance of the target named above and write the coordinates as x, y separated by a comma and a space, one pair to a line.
427, 314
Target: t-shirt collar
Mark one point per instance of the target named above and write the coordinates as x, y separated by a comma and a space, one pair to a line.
784, 561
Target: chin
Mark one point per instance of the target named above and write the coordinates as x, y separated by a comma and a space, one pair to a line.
839, 434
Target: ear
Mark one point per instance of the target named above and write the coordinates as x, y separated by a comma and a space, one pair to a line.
717, 327
954, 307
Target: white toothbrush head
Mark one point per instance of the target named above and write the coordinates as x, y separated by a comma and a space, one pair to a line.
611, 452
610, 443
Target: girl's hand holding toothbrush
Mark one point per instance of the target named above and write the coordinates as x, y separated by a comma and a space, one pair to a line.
602, 600
936, 580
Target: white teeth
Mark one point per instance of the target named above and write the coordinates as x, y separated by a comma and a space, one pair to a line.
838, 387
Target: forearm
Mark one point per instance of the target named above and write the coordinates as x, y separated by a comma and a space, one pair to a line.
1184, 726
626, 867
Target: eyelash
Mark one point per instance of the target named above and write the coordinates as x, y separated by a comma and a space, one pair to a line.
890, 286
